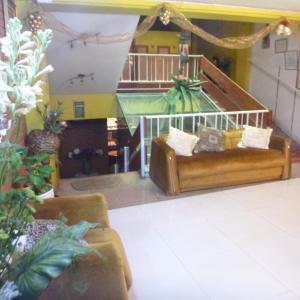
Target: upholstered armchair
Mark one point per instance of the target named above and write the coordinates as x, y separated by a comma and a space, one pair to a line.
89, 277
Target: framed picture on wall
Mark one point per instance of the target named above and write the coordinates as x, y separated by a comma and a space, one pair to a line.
78, 108
291, 60
281, 45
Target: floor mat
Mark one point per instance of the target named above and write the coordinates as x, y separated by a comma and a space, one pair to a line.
95, 183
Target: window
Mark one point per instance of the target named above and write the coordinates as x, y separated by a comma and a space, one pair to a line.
78, 109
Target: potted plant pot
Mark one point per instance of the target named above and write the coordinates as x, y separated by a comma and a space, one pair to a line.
42, 140
48, 194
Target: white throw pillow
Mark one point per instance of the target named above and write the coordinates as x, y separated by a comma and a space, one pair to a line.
255, 137
183, 143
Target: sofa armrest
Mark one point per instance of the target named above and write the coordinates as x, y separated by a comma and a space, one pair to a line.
163, 167
90, 277
284, 145
91, 208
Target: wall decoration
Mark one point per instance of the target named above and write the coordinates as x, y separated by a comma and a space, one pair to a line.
35, 21
266, 42
282, 26
78, 107
168, 13
281, 45
291, 60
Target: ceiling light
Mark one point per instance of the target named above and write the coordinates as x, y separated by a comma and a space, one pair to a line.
283, 29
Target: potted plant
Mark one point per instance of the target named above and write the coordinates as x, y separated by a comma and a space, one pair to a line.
182, 91
47, 139
20, 88
37, 176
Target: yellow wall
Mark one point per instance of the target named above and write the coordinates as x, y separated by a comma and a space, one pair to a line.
152, 39
242, 66
239, 69
97, 106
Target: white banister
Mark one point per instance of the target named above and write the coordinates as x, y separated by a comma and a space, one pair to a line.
169, 63
219, 120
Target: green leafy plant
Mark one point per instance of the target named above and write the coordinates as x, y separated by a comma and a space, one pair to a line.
38, 173
51, 117
33, 270
15, 212
182, 91
20, 90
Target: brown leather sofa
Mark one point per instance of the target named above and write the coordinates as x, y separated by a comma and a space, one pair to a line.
175, 174
101, 279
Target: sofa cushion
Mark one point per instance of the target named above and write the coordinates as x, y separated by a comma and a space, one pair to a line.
232, 138
183, 143
255, 137
210, 139
209, 163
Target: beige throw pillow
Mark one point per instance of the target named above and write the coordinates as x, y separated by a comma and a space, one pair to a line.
255, 137
210, 140
183, 143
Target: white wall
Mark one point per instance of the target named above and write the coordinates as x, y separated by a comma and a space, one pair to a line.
269, 78
105, 60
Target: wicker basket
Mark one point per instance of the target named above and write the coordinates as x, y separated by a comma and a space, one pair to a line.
42, 140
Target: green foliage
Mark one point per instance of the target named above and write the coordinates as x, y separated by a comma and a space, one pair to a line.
33, 271
51, 117
182, 91
15, 212
38, 172
20, 89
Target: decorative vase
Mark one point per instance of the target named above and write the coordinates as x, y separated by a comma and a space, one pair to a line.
42, 140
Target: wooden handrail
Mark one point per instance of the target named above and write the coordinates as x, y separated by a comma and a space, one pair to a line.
238, 96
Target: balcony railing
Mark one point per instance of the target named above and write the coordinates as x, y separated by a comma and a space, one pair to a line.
158, 68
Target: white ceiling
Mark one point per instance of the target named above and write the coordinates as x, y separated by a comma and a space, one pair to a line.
290, 5
104, 60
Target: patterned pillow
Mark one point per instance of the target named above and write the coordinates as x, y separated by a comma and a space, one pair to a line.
210, 139
38, 228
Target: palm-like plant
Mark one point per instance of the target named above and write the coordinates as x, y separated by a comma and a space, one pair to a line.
50, 117
182, 91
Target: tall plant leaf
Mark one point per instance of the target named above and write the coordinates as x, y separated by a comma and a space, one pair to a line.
33, 271
185, 98
189, 93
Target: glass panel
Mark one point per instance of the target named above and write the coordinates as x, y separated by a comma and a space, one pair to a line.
134, 105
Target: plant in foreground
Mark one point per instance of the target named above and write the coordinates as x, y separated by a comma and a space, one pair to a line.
20, 89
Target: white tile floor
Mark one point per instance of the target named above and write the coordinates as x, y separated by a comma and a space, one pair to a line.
238, 244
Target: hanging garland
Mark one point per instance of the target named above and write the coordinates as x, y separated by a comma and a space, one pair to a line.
168, 13
239, 42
